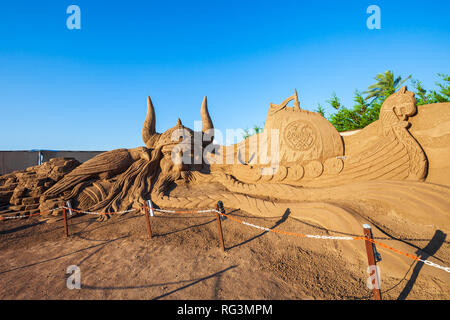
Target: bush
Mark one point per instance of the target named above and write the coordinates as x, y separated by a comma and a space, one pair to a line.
367, 109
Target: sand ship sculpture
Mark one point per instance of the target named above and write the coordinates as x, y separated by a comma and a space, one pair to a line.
395, 168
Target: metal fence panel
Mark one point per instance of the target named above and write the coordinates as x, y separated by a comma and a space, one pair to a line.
20, 160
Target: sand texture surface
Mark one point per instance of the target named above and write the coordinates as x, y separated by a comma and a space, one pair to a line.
184, 261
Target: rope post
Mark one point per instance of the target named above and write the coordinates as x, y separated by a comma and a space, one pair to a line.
147, 218
70, 207
66, 226
373, 270
220, 208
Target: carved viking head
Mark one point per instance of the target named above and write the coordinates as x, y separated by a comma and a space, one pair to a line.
177, 144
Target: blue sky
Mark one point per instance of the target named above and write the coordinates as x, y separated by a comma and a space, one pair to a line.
86, 89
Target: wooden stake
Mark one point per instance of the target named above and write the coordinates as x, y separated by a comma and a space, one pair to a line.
220, 208
372, 263
66, 226
147, 218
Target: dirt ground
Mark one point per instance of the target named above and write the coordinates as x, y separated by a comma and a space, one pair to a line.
183, 260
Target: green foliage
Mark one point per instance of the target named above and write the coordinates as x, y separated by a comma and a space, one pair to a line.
367, 109
360, 115
335, 102
423, 96
320, 110
249, 132
443, 95
344, 119
257, 129
444, 92
246, 133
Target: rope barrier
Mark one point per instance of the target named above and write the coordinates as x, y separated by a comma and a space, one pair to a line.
427, 262
64, 207
29, 215
99, 213
181, 211
301, 235
311, 236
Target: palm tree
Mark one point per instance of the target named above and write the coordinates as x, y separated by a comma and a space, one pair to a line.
386, 85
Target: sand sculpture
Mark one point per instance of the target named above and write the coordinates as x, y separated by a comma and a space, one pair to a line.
305, 167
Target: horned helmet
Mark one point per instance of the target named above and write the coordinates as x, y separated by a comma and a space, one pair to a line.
178, 144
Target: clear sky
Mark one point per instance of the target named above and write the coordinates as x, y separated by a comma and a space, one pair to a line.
86, 89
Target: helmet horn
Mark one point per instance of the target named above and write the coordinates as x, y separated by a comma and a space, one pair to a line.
206, 119
149, 134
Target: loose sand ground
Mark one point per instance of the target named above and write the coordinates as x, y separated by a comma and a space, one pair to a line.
184, 261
